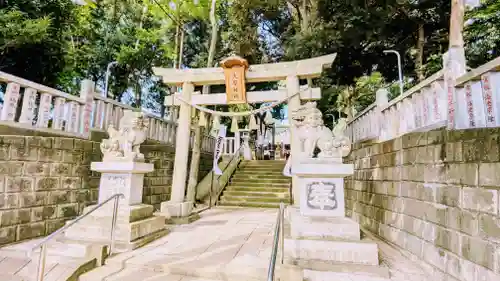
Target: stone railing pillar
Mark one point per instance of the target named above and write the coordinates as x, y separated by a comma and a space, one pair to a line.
382, 99
87, 95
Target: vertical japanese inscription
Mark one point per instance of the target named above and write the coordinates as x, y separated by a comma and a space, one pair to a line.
488, 99
116, 183
470, 105
234, 71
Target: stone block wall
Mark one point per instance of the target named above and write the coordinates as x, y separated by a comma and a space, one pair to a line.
436, 195
157, 185
44, 181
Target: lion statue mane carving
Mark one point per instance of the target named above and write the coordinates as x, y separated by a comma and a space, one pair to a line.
124, 144
311, 133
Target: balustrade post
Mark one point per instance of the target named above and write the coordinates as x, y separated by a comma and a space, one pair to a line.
381, 100
10, 102
87, 95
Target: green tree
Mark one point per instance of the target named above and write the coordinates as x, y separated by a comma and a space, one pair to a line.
32, 38
482, 34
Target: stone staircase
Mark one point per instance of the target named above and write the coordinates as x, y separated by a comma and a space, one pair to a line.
65, 260
258, 184
331, 248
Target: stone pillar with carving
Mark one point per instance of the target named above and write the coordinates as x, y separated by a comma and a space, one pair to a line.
320, 235
122, 172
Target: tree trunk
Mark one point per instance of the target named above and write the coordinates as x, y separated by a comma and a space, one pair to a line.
194, 167
213, 43
177, 33
419, 60
181, 49
138, 95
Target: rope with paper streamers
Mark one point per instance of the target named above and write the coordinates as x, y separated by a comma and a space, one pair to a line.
235, 114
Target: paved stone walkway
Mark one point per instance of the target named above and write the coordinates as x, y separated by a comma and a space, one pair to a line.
225, 244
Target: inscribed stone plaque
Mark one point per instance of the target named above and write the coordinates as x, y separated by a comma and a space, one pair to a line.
322, 197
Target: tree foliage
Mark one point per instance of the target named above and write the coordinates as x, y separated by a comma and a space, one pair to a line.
58, 43
482, 33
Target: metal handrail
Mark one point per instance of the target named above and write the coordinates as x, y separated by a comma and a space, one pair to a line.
279, 236
236, 155
43, 244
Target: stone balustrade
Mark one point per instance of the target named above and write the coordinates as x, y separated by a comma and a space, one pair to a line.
31, 106
229, 146
35, 107
421, 108
472, 101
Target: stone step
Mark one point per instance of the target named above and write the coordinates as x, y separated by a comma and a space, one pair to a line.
260, 181
349, 252
57, 248
269, 162
323, 267
249, 204
56, 269
239, 188
313, 275
255, 176
124, 232
239, 269
285, 194
254, 199
320, 228
261, 169
259, 184
274, 169
125, 214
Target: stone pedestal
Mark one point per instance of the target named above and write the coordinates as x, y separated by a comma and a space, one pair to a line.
135, 224
318, 236
178, 212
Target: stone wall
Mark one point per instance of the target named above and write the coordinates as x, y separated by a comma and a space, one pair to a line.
157, 185
435, 195
44, 181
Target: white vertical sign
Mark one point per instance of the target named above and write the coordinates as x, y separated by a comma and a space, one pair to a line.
219, 145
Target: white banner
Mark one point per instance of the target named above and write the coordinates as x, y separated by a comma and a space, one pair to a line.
219, 145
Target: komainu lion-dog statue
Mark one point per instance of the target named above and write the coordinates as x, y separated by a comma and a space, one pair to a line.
124, 144
310, 133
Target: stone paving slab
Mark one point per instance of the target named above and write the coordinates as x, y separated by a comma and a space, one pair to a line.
227, 243
25, 269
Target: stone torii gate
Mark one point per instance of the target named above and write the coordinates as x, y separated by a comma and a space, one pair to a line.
235, 73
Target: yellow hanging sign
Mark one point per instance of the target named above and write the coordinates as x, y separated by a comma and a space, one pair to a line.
234, 71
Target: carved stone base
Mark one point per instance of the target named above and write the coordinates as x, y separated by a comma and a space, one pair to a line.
321, 186
351, 252
183, 220
327, 228
176, 209
135, 227
122, 177
319, 238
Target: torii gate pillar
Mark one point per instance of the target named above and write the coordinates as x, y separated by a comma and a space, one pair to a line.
292, 87
176, 207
